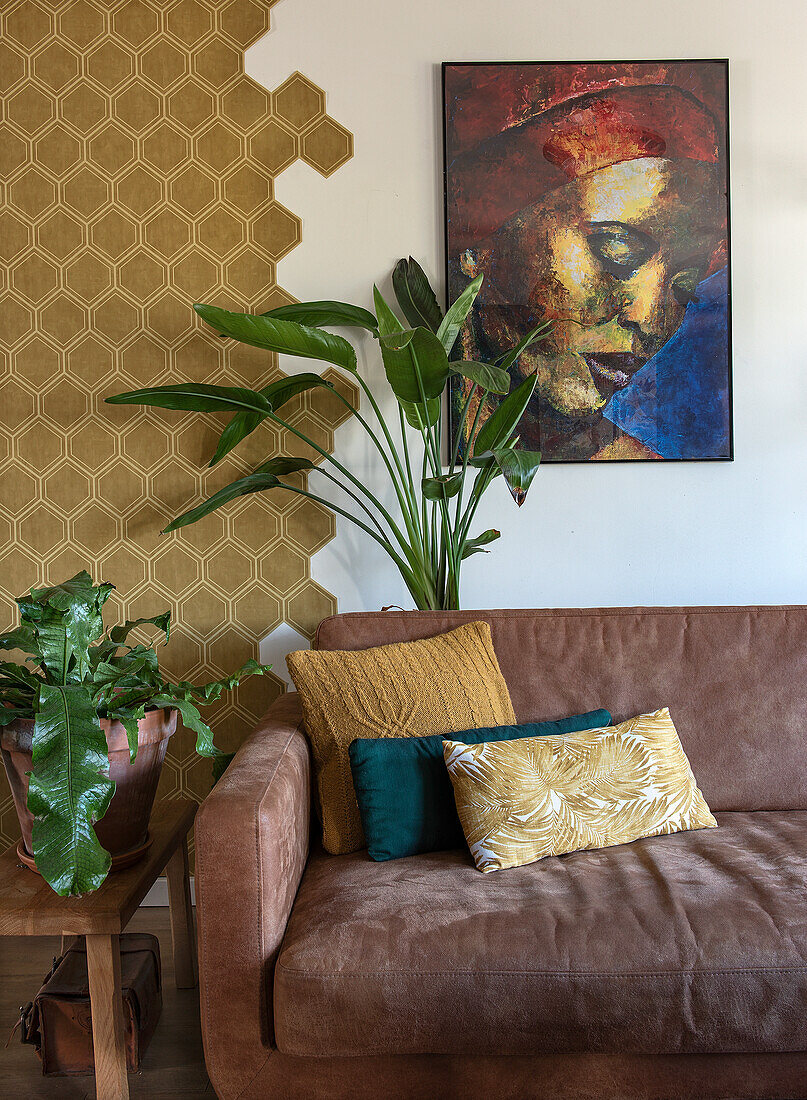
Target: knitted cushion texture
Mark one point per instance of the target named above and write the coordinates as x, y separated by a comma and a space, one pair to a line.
443, 685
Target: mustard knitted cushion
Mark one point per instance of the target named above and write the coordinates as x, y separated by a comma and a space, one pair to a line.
519, 801
411, 689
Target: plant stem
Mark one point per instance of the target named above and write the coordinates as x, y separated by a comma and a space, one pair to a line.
460, 422
352, 495
465, 456
406, 478
406, 572
448, 547
404, 500
355, 481
483, 480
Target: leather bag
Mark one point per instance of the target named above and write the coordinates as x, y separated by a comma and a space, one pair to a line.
58, 1022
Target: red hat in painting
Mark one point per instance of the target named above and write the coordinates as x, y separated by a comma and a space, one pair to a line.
516, 167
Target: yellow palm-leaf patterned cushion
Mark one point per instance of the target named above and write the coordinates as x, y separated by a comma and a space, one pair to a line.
519, 801
408, 689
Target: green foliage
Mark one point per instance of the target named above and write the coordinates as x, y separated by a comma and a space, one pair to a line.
321, 314
443, 487
540, 332
265, 477
81, 673
456, 315
477, 545
488, 377
69, 789
415, 296
428, 538
415, 364
519, 467
290, 337
196, 397
500, 427
65, 620
278, 394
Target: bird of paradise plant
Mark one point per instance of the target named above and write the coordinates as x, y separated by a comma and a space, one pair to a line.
430, 536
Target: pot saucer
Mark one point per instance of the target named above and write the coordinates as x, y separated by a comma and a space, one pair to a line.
119, 861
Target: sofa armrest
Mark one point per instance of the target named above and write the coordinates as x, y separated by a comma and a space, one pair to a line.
252, 837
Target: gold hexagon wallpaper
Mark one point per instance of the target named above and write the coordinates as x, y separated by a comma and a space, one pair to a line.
136, 176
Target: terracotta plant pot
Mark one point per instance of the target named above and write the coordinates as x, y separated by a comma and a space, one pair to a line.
123, 830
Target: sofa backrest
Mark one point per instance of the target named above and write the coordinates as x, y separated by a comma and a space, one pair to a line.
734, 678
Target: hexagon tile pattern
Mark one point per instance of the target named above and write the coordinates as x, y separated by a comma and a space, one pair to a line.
136, 176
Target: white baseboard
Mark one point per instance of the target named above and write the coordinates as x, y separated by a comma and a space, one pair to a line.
158, 894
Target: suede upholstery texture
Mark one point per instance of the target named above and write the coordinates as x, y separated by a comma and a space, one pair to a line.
690, 943
731, 676
601, 974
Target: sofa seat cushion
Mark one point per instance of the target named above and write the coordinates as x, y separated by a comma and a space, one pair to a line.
691, 943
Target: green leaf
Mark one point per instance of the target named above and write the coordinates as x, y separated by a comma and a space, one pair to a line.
69, 790
205, 694
484, 461
418, 415
20, 675
127, 666
138, 670
325, 314
130, 724
499, 427
119, 634
282, 391
241, 425
415, 295
66, 619
286, 337
17, 694
419, 369
195, 397
265, 477
491, 379
129, 720
284, 464
192, 719
65, 596
184, 696
540, 332
277, 394
397, 341
400, 366
519, 468
443, 487
220, 764
456, 314
252, 483
24, 638
387, 321
204, 735
11, 714
476, 546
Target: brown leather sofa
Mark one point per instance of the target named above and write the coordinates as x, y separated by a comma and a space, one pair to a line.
674, 967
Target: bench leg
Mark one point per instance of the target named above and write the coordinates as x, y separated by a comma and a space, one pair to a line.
183, 935
103, 966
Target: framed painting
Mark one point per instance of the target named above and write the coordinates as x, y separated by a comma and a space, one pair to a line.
594, 195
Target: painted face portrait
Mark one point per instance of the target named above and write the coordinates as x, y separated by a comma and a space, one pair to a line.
607, 216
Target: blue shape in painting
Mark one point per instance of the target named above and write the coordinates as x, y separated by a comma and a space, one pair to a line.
679, 402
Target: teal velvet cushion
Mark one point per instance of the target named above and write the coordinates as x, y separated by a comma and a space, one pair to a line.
405, 797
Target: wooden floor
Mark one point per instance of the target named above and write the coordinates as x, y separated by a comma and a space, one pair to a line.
174, 1065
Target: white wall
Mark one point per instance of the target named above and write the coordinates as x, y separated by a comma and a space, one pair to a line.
589, 534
